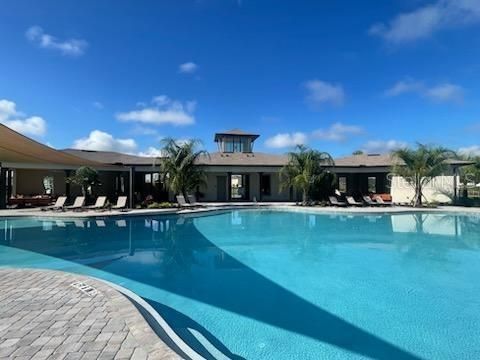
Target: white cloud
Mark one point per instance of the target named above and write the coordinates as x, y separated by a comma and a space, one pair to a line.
72, 47
102, 141
405, 86
188, 68
337, 132
163, 111
9, 116
144, 130
286, 140
321, 92
382, 147
151, 152
473, 150
444, 92
426, 20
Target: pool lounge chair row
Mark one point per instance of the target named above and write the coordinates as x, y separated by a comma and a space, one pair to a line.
79, 204
192, 201
350, 201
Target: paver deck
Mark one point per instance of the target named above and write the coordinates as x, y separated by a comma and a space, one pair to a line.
43, 316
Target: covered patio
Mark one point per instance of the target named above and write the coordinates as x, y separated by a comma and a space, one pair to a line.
33, 174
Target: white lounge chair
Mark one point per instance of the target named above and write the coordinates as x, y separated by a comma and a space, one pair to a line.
368, 200
99, 204
334, 201
77, 204
121, 203
59, 204
193, 200
382, 202
351, 201
182, 202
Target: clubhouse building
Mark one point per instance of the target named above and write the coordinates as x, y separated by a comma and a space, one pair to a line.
33, 174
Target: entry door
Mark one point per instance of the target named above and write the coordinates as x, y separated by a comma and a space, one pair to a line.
221, 188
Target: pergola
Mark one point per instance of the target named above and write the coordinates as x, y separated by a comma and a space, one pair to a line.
20, 152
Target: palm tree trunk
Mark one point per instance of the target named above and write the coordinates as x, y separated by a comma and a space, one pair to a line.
304, 197
418, 194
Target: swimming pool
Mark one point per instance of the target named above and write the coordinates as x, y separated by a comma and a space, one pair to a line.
266, 284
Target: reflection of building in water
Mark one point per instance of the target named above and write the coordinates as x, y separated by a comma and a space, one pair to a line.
236, 218
434, 224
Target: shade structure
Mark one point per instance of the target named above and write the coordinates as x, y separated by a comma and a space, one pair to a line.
16, 148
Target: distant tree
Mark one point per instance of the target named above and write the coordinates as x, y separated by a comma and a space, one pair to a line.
306, 168
470, 173
178, 165
85, 177
419, 166
358, 152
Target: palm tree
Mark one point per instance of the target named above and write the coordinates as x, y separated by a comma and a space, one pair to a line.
470, 173
305, 169
419, 166
178, 165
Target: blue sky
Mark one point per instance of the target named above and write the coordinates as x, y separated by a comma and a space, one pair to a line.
337, 75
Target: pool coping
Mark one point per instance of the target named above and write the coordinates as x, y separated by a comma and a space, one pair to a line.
330, 210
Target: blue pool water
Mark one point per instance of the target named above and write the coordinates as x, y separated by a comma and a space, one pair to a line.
283, 285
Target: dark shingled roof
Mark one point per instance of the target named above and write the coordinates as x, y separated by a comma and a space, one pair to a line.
113, 158
235, 132
243, 159
381, 160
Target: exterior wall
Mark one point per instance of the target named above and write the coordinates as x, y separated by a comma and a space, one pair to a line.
30, 182
275, 193
210, 191
440, 189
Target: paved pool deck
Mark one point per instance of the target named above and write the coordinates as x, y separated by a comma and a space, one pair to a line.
44, 316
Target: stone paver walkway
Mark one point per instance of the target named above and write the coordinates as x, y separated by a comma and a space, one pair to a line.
42, 316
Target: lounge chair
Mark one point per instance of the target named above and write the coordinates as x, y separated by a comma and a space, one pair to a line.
368, 200
77, 204
382, 202
334, 201
99, 204
182, 203
121, 203
193, 200
59, 204
353, 202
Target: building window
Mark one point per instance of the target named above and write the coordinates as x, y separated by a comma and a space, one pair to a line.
342, 184
229, 146
48, 185
372, 184
236, 144
148, 178
265, 185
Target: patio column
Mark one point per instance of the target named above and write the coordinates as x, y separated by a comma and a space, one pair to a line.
260, 174
3, 187
131, 186
67, 184
229, 186
9, 183
455, 185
